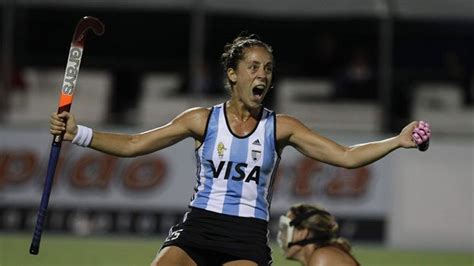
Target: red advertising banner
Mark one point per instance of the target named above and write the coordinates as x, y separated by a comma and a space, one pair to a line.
166, 179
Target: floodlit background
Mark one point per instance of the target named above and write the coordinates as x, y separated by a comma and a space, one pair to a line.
354, 71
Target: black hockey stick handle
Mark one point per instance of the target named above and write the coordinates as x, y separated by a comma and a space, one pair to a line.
43, 208
48, 184
424, 146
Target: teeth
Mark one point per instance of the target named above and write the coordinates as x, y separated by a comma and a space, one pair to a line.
260, 87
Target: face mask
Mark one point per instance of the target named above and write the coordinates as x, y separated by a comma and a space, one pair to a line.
285, 232
287, 228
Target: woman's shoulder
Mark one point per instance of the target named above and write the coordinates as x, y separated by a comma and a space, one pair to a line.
197, 112
287, 125
287, 120
332, 255
193, 117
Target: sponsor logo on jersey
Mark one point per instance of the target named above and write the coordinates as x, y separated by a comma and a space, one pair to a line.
239, 173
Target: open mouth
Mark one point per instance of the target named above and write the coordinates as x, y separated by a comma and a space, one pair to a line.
258, 90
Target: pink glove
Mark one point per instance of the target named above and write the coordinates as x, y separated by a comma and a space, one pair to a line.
421, 135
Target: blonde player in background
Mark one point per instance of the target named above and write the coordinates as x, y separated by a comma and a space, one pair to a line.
309, 234
238, 146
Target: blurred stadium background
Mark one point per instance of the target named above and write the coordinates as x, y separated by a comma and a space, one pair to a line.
352, 70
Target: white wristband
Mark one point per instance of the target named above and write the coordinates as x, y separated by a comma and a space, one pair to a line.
83, 136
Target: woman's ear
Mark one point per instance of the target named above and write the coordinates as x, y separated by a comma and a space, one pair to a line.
231, 75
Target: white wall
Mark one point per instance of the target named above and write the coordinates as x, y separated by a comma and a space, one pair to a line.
432, 201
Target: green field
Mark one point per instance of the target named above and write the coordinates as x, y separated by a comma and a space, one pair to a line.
131, 251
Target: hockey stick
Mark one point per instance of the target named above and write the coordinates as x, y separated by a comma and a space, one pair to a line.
65, 101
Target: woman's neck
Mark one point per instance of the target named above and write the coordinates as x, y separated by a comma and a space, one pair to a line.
240, 112
304, 256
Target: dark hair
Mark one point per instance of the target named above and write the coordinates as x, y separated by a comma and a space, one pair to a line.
235, 51
322, 222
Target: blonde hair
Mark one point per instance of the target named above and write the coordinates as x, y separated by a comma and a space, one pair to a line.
322, 223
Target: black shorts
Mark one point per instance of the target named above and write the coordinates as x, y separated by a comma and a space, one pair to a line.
213, 239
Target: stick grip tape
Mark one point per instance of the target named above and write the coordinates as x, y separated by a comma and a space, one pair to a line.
43, 208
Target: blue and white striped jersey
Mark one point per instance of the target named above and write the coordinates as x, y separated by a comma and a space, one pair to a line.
235, 174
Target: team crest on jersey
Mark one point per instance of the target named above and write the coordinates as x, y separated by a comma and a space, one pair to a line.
220, 149
256, 155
